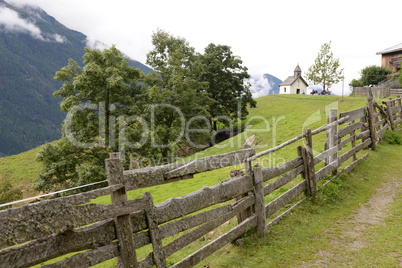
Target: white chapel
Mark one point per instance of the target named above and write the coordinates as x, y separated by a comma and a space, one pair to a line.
294, 84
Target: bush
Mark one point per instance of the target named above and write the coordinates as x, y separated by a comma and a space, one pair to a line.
393, 137
9, 194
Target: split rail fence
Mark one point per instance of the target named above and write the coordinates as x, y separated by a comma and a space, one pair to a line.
38, 232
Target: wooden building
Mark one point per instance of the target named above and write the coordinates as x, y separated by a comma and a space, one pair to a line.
294, 84
392, 57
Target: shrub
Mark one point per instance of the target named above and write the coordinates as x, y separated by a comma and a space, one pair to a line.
393, 137
9, 194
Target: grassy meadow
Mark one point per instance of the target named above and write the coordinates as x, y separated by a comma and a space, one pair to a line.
276, 119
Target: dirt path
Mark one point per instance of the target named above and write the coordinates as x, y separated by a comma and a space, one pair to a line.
356, 229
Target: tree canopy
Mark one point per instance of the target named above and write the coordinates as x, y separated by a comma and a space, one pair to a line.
225, 74
371, 75
152, 118
94, 95
325, 70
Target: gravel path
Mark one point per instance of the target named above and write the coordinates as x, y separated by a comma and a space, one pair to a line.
356, 229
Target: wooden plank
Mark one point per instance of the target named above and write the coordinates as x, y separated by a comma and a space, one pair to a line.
328, 126
213, 246
158, 255
114, 171
320, 174
29, 222
381, 132
350, 167
88, 258
207, 227
205, 197
269, 188
150, 176
49, 247
363, 135
270, 173
322, 156
211, 163
309, 163
175, 227
379, 123
349, 129
390, 115
259, 202
332, 137
380, 109
396, 109
274, 149
354, 114
301, 151
353, 151
345, 141
283, 214
285, 198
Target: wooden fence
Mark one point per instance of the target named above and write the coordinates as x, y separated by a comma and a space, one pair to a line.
378, 91
34, 233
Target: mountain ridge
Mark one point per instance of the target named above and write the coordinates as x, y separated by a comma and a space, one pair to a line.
34, 46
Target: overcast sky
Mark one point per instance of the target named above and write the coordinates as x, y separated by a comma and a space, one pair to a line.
269, 36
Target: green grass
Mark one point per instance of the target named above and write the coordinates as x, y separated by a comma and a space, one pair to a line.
276, 119
21, 171
314, 234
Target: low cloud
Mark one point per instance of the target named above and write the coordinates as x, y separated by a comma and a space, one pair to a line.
12, 23
95, 44
260, 86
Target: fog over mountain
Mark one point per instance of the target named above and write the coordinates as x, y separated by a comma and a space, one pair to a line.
264, 84
34, 46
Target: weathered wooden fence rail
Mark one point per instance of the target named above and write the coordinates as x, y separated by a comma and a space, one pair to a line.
34, 233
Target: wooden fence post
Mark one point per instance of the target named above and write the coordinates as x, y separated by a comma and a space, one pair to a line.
259, 202
249, 211
371, 121
127, 255
399, 103
390, 115
332, 136
154, 233
309, 164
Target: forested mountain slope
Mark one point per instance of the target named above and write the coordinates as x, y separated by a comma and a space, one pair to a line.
33, 46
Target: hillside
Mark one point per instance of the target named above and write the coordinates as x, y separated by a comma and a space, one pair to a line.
288, 114
33, 47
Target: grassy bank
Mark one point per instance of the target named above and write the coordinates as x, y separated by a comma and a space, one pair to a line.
307, 231
325, 233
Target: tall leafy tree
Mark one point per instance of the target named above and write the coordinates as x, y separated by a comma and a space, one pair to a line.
176, 94
107, 85
225, 75
94, 95
326, 69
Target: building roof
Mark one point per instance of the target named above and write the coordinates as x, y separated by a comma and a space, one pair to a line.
391, 49
291, 79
